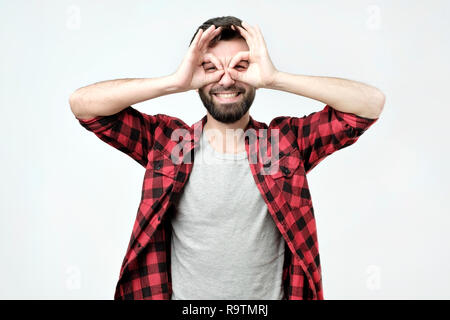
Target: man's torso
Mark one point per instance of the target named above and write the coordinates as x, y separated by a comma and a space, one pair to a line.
224, 245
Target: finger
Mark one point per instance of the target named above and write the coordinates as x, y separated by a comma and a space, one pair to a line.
197, 37
234, 74
215, 76
246, 36
243, 32
205, 35
259, 35
209, 36
249, 28
212, 35
243, 55
209, 57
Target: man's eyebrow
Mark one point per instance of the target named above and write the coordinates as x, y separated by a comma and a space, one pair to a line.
210, 62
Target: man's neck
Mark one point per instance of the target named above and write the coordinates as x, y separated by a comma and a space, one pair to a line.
226, 137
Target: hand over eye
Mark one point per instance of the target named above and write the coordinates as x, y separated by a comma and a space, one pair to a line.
260, 71
191, 74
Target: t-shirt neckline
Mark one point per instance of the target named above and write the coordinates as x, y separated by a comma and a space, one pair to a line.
221, 155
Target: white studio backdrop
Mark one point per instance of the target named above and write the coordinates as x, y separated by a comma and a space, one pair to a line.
68, 200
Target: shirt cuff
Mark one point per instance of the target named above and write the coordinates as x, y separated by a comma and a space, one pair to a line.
354, 121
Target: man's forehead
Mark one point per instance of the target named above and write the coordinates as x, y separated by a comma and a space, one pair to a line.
225, 49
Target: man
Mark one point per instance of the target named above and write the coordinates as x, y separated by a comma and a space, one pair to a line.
225, 228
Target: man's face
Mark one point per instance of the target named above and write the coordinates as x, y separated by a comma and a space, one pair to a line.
231, 108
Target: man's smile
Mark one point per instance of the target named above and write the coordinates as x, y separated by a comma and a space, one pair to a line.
227, 96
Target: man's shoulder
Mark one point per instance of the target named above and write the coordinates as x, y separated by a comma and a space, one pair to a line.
170, 121
279, 121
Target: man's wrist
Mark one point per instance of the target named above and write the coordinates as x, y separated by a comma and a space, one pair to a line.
172, 84
275, 81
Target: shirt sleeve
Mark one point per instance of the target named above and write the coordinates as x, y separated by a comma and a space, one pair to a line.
129, 131
323, 132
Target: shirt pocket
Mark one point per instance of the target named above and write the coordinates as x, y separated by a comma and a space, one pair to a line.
289, 178
159, 176
284, 167
161, 164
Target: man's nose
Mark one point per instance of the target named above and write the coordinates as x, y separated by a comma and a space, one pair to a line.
226, 80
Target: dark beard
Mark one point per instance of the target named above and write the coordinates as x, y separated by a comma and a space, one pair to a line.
228, 112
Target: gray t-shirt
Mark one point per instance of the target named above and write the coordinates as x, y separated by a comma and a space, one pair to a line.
225, 244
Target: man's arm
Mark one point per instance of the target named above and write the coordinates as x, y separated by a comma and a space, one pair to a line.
105, 107
351, 107
343, 95
109, 97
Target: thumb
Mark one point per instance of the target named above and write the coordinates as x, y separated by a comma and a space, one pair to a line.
215, 76
235, 75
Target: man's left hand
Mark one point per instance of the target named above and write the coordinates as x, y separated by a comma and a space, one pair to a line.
261, 71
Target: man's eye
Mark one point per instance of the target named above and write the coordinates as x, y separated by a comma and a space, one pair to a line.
240, 67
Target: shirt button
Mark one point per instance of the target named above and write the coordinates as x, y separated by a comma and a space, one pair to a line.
158, 166
285, 170
159, 218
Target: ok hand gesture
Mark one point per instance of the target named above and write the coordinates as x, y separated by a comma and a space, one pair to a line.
261, 71
191, 74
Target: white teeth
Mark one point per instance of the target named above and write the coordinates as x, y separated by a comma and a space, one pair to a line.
227, 95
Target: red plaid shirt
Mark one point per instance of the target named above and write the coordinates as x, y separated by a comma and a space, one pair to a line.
303, 143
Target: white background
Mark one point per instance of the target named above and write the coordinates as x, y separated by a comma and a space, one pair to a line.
68, 200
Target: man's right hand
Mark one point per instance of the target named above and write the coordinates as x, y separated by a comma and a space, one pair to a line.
191, 74
109, 97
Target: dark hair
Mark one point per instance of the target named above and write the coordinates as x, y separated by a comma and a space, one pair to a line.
225, 22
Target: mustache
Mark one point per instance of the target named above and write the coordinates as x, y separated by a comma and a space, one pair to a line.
223, 90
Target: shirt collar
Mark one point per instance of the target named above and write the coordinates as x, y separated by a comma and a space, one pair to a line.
195, 131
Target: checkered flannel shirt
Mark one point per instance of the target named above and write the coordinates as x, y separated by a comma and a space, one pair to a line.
150, 140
